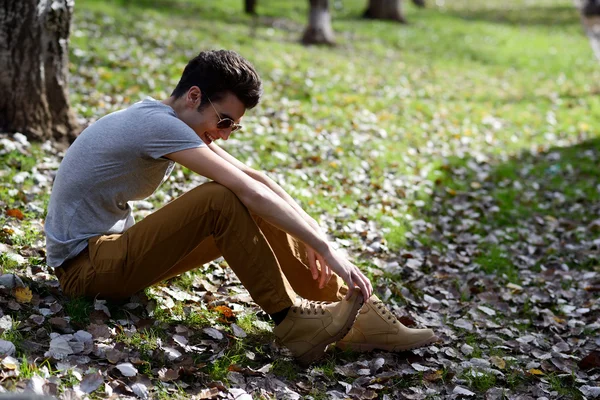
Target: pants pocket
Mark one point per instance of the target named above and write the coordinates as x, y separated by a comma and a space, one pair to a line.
108, 256
76, 275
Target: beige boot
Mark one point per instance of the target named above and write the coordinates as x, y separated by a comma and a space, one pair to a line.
311, 326
377, 328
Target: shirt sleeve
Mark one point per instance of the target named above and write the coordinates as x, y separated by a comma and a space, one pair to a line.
168, 134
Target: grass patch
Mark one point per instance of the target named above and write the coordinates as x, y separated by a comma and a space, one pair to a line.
479, 380
494, 261
79, 309
14, 335
564, 385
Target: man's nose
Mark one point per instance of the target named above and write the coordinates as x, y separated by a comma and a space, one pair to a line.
225, 133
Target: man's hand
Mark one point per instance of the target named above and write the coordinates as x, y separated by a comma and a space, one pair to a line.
324, 272
347, 271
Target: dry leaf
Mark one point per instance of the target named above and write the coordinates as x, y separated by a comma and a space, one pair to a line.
23, 294
127, 369
213, 333
590, 361
498, 362
7, 348
225, 311
16, 213
433, 376
534, 371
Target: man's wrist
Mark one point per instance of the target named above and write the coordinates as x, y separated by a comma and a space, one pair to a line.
323, 248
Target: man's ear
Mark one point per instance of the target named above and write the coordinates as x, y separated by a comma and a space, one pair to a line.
194, 96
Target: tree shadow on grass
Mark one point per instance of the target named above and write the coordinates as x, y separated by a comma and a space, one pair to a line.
534, 211
520, 235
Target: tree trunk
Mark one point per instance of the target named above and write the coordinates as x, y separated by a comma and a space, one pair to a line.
319, 30
250, 7
591, 8
34, 67
590, 18
385, 9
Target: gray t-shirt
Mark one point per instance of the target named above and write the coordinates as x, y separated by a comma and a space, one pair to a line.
116, 159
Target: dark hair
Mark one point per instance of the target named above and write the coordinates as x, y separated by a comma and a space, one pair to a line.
216, 72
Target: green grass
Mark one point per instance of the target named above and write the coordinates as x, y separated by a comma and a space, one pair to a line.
14, 335
494, 260
79, 309
479, 380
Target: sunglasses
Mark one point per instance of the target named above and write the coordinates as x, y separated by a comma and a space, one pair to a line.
225, 123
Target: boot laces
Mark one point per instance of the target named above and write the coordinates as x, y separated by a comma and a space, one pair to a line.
385, 311
310, 307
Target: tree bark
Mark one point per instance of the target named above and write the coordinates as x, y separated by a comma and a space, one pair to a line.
319, 30
590, 18
385, 9
250, 7
34, 67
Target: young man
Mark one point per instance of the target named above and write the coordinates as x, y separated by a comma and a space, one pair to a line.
264, 235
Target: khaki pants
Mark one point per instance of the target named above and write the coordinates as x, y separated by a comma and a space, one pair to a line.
201, 225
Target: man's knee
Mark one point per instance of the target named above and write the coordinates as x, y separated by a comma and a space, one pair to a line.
222, 197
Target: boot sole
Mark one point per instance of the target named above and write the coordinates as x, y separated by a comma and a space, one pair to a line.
366, 347
318, 351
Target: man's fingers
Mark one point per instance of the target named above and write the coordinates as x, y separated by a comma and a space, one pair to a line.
312, 263
325, 272
368, 286
363, 283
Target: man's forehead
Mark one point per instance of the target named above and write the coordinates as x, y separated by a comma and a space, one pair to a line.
231, 107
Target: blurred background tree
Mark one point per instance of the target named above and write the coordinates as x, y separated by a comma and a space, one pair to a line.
319, 30
34, 35
590, 17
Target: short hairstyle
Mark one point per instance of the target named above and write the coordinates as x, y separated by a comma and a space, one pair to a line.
216, 72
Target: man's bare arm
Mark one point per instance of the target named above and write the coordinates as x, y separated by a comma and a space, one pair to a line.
322, 272
268, 205
271, 184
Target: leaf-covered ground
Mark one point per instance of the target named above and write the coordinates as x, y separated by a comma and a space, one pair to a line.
456, 159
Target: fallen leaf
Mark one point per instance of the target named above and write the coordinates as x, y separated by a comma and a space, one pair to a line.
590, 361
9, 362
210, 393
100, 305
23, 294
419, 367
534, 371
167, 375
11, 281
238, 332
462, 391
59, 348
16, 213
127, 369
36, 385
498, 362
433, 376
7, 348
224, 310
91, 382
590, 391
213, 333
140, 390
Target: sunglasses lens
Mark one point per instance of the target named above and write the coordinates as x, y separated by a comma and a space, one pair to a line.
225, 123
